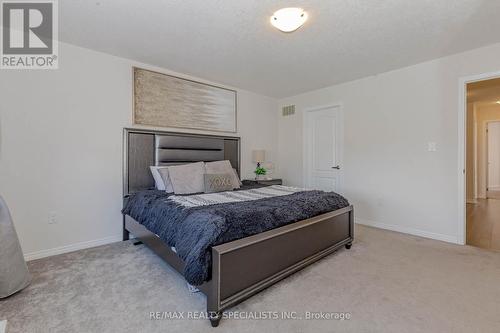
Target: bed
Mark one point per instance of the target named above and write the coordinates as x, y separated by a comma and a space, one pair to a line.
238, 268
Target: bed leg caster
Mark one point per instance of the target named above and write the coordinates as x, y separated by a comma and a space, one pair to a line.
215, 317
348, 246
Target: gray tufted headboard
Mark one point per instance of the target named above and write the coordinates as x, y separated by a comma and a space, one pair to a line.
144, 148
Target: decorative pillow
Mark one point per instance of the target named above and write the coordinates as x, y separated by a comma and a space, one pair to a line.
223, 167
166, 179
215, 182
187, 178
237, 177
159, 182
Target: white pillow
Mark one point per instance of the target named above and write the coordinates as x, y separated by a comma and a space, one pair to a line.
187, 178
162, 180
165, 176
160, 185
223, 167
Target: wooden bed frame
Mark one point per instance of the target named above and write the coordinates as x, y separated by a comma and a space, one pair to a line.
243, 267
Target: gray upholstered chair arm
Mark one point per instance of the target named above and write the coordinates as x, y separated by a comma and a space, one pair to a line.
14, 274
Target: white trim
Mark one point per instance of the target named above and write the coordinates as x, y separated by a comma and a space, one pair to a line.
71, 248
462, 106
3, 326
340, 145
408, 230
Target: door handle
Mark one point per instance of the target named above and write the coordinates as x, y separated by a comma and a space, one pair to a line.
336, 167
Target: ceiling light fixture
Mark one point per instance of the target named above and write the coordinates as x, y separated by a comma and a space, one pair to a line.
498, 102
288, 19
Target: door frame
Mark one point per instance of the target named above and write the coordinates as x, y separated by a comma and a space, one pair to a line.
462, 146
340, 142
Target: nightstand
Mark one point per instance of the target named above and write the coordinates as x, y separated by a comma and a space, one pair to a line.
263, 181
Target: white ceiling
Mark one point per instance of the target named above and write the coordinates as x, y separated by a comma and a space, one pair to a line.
232, 41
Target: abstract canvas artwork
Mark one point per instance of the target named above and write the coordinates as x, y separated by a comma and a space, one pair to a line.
168, 101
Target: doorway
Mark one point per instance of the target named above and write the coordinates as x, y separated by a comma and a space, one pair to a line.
482, 163
323, 143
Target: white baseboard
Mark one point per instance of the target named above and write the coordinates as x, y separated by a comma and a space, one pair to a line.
71, 248
117, 238
407, 230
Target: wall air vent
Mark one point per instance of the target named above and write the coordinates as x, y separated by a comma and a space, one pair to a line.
288, 110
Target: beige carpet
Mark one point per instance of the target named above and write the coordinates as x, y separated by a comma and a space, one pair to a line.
388, 282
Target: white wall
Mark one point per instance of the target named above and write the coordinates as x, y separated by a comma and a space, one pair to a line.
61, 147
389, 176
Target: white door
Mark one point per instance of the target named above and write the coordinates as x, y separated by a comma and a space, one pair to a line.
323, 134
494, 156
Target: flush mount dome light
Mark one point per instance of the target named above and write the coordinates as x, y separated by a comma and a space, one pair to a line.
288, 19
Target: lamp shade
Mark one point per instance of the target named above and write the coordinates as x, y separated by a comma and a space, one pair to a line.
258, 156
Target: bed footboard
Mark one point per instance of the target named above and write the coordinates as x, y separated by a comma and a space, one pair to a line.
246, 266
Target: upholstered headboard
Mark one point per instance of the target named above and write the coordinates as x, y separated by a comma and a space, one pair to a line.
144, 148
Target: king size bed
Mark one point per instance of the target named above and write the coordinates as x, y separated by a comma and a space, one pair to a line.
237, 245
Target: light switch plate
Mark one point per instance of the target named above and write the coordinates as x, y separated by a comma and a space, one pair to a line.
432, 146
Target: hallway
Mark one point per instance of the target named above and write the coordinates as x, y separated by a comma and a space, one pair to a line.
483, 224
